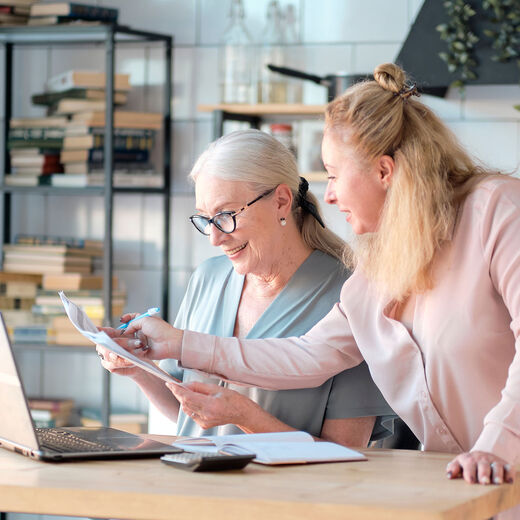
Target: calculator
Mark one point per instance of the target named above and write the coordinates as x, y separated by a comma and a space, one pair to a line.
207, 461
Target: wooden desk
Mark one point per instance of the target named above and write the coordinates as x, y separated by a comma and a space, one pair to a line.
391, 484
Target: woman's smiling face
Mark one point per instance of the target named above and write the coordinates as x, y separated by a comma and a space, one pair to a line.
252, 245
357, 188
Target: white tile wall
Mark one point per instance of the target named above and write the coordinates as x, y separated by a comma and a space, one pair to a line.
354, 21
348, 35
493, 143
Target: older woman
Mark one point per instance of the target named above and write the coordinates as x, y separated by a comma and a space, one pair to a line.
434, 303
279, 275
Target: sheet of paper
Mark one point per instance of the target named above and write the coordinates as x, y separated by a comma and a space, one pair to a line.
82, 322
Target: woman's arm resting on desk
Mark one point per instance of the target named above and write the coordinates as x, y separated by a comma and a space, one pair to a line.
212, 405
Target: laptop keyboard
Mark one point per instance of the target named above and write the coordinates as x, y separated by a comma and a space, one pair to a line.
67, 442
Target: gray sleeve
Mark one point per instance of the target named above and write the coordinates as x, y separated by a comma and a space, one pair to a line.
354, 394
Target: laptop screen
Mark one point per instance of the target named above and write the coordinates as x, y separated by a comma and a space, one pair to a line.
15, 419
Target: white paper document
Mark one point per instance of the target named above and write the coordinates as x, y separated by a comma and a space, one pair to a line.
295, 447
82, 322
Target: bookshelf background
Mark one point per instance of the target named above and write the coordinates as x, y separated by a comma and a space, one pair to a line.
87, 212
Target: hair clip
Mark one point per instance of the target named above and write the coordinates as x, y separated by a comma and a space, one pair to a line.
409, 90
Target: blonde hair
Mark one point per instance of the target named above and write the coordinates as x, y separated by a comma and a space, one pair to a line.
256, 158
432, 175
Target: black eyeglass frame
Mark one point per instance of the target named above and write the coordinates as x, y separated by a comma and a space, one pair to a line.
232, 214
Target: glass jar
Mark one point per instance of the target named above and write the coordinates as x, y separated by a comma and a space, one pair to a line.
236, 56
284, 134
272, 87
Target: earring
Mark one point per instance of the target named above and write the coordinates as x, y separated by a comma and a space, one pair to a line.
283, 222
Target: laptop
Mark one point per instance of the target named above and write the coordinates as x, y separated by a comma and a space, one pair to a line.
18, 433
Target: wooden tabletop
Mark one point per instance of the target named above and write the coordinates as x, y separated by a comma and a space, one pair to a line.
392, 484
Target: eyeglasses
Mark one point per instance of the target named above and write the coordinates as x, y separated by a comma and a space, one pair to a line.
224, 221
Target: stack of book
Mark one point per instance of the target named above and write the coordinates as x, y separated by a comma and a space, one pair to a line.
132, 422
35, 269
49, 413
17, 296
15, 12
71, 138
71, 12
41, 258
34, 146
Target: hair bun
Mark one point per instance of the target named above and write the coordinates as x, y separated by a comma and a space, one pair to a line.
390, 77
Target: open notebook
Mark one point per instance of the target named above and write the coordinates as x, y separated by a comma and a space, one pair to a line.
295, 447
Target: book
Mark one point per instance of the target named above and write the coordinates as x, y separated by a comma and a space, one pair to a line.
71, 106
294, 447
118, 298
73, 281
51, 98
17, 266
38, 122
76, 11
53, 254
6, 277
21, 289
27, 180
72, 242
99, 168
36, 333
98, 155
121, 140
85, 79
16, 302
15, 9
122, 119
35, 160
22, 3
51, 404
92, 311
133, 422
12, 19
54, 250
35, 137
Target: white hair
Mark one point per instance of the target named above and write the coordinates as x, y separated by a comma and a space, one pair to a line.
263, 163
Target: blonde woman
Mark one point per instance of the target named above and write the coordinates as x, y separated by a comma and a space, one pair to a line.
433, 306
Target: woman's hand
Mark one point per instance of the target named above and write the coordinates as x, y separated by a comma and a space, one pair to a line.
481, 467
149, 338
118, 365
212, 405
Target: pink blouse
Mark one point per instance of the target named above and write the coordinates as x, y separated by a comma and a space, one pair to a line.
455, 378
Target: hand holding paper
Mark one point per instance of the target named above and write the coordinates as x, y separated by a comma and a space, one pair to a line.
85, 326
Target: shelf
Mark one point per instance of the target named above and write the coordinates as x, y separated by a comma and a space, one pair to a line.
74, 33
282, 109
88, 190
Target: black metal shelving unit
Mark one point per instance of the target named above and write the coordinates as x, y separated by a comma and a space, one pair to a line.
108, 36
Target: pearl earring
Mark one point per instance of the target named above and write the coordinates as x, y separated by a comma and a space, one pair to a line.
283, 222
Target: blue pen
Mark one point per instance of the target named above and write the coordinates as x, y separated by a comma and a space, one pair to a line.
150, 312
